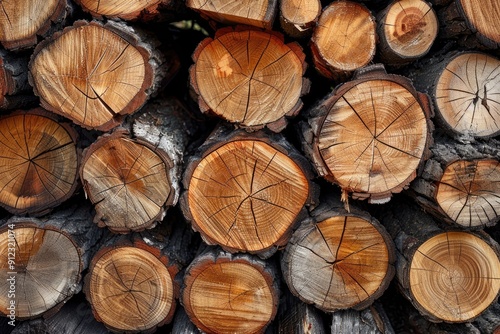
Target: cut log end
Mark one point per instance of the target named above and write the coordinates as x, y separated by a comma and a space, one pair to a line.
128, 182
123, 9
483, 19
348, 258
46, 269
91, 74
298, 17
240, 74
246, 195
454, 276
466, 95
344, 39
131, 289
39, 162
378, 124
230, 295
407, 30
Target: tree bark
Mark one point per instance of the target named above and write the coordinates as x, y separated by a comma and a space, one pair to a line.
38, 164
14, 87
249, 77
47, 260
224, 293
299, 17
112, 72
133, 175
370, 135
372, 320
343, 40
464, 89
22, 21
338, 259
460, 183
406, 29
246, 192
449, 275
259, 13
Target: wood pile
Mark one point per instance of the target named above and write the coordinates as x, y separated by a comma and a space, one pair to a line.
250, 167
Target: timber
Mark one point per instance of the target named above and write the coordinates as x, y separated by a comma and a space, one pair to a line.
298, 17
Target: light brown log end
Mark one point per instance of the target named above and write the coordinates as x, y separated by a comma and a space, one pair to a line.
123, 9
298, 17
483, 18
38, 162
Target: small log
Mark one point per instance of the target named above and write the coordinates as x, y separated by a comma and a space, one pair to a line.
182, 324
258, 13
460, 183
246, 192
474, 24
464, 89
406, 29
299, 17
224, 293
338, 259
249, 77
94, 74
14, 88
448, 275
38, 163
297, 317
127, 10
133, 176
45, 258
372, 320
370, 135
133, 281
343, 40
23, 20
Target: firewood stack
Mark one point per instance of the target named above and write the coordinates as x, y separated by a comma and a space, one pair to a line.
253, 166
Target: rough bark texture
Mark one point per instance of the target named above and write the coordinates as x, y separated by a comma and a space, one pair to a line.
297, 317
372, 320
14, 87
246, 192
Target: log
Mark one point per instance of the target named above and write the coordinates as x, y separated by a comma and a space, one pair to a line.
44, 258
38, 163
369, 135
460, 183
246, 192
449, 275
297, 317
249, 77
258, 13
372, 320
343, 40
473, 24
133, 281
299, 17
464, 90
22, 21
15, 92
338, 259
407, 30
224, 293
182, 324
95, 74
146, 11
133, 175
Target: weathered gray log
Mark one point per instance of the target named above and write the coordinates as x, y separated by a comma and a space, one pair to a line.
372, 320
296, 317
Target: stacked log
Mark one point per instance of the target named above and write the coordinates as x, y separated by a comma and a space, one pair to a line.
228, 140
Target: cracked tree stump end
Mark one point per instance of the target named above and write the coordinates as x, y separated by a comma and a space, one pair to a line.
299, 17
465, 90
448, 275
131, 286
343, 40
370, 135
38, 163
22, 21
95, 74
406, 29
246, 192
249, 77
258, 13
224, 293
337, 259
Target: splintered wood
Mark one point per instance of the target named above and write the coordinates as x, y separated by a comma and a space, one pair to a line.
468, 192
91, 74
249, 77
38, 162
47, 266
127, 181
131, 288
455, 276
246, 195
